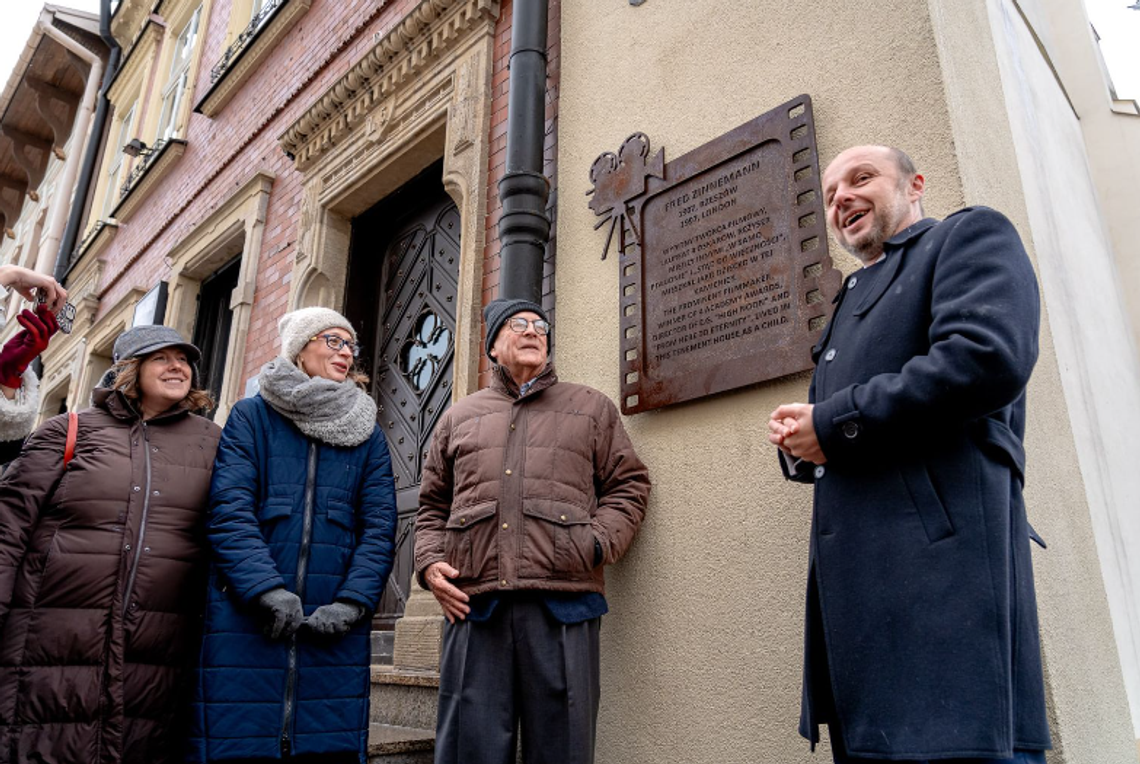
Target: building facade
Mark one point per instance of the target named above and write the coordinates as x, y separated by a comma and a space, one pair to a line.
264, 155
46, 113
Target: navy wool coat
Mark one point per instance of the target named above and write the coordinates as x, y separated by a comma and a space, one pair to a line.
920, 558
264, 471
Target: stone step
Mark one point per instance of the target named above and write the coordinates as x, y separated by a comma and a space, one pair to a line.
404, 697
392, 744
383, 647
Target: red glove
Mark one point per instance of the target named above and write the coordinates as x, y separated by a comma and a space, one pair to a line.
22, 349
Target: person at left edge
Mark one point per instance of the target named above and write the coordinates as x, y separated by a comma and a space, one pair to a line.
19, 385
302, 527
103, 566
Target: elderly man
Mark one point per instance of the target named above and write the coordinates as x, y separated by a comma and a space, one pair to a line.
921, 640
531, 487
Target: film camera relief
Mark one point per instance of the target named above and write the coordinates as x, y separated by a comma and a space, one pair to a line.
725, 276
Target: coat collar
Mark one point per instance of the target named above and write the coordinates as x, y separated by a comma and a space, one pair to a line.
895, 250
502, 381
117, 405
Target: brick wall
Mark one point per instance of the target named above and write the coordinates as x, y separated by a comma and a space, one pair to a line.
225, 151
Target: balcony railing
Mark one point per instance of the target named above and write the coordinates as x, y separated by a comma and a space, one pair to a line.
145, 161
247, 36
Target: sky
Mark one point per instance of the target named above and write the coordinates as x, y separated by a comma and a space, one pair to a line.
1118, 26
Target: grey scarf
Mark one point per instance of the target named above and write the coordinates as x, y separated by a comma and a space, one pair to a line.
336, 413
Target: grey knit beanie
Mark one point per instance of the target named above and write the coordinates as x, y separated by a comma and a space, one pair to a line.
498, 311
300, 326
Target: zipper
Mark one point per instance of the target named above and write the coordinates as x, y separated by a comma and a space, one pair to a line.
299, 590
142, 523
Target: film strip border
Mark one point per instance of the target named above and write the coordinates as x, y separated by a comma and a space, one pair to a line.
632, 351
815, 271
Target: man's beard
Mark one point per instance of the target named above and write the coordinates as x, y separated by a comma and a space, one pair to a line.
887, 221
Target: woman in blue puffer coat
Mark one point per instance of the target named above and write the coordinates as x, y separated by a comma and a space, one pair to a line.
302, 526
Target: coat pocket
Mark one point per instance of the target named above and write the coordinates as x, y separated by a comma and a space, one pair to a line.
932, 512
558, 541
469, 545
274, 508
340, 513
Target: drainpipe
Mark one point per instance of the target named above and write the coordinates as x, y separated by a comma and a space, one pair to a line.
49, 248
524, 228
91, 157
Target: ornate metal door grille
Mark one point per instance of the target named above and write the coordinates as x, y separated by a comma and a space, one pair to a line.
414, 360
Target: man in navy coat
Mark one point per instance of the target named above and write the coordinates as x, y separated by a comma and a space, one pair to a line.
921, 638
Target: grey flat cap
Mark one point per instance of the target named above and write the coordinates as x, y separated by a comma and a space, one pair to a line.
146, 339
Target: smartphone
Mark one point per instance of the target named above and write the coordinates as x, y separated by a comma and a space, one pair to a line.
65, 317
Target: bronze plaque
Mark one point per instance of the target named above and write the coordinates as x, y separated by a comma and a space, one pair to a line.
726, 279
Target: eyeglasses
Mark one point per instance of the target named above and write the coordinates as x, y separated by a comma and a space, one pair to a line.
519, 324
336, 343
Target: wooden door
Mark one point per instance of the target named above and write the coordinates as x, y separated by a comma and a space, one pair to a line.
403, 282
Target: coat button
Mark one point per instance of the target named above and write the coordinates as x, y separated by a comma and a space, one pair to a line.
155, 493
503, 582
463, 521
851, 429
830, 355
851, 282
819, 472
508, 472
562, 518
127, 548
136, 489
512, 425
505, 526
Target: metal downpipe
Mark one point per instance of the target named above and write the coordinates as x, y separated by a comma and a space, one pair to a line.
524, 228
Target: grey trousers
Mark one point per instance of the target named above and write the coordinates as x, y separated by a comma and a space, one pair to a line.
520, 668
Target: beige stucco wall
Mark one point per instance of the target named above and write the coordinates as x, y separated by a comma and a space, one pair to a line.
701, 651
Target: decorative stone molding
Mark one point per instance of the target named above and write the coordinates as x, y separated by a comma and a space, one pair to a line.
421, 93
248, 58
236, 227
129, 18
425, 36
66, 357
156, 168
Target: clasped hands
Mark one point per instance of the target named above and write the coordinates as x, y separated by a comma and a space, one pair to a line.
790, 428
286, 615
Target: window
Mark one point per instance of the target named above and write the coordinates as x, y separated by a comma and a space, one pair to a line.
212, 326
179, 81
115, 168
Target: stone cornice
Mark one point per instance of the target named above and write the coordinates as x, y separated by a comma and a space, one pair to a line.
251, 56
426, 33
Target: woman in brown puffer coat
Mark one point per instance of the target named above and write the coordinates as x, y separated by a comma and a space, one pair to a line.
102, 566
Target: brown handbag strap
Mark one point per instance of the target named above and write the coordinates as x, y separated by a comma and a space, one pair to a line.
72, 431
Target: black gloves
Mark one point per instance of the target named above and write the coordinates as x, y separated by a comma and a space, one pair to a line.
284, 609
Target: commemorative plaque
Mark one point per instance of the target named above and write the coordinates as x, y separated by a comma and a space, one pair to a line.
725, 276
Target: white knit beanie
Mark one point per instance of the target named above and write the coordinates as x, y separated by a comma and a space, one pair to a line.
300, 326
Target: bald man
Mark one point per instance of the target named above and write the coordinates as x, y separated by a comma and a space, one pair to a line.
921, 638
